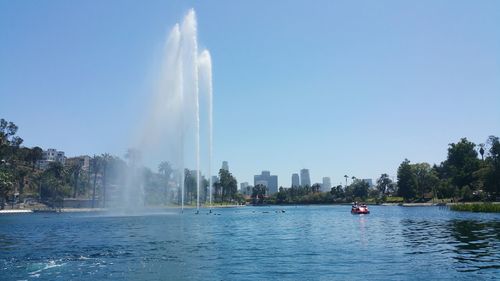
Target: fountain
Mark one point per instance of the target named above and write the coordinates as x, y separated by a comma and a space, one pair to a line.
172, 129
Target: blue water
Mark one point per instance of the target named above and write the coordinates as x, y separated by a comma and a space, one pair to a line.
253, 243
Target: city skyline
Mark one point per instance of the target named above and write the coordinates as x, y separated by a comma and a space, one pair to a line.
328, 86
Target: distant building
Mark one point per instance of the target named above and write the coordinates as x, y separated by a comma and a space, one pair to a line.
305, 179
326, 185
295, 180
270, 181
215, 179
225, 165
83, 161
51, 155
245, 188
369, 182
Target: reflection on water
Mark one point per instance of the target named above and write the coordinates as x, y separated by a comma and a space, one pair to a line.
477, 244
474, 245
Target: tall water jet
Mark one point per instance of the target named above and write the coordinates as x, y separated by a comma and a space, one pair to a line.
205, 75
189, 54
171, 130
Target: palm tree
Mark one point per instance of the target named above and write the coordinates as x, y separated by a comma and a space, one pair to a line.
54, 181
166, 170
106, 158
36, 154
96, 166
74, 170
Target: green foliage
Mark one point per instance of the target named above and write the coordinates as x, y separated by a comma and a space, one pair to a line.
226, 188
406, 181
394, 199
258, 193
425, 179
477, 207
337, 193
461, 163
384, 185
492, 167
358, 189
298, 195
6, 184
462, 176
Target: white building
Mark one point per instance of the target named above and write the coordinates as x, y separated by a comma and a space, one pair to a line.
305, 179
326, 185
51, 155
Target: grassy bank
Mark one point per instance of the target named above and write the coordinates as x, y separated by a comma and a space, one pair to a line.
477, 207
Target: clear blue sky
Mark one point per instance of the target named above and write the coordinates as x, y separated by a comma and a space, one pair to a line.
339, 87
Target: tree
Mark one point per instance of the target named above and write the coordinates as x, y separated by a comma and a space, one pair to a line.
337, 192
106, 160
315, 187
95, 167
35, 155
383, 184
6, 184
359, 189
461, 163
8, 139
74, 170
165, 169
54, 186
258, 193
228, 184
492, 173
281, 196
190, 184
425, 179
406, 181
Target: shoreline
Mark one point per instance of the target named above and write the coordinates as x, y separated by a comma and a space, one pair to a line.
97, 210
160, 208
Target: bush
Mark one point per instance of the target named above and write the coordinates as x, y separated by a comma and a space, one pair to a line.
477, 207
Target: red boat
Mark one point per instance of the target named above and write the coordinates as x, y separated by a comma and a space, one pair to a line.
359, 209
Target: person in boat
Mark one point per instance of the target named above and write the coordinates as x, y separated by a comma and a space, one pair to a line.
355, 207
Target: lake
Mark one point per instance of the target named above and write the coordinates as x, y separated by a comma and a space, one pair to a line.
253, 243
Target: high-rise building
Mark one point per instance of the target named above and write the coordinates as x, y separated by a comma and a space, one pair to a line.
215, 179
369, 182
225, 165
327, 184
295, 180
270, 181
245, 188
305, 179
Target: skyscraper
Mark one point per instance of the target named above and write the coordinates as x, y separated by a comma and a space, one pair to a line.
295, 180
270, 181
245, 188
327, 184
305, 179
225, 165
369, 182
